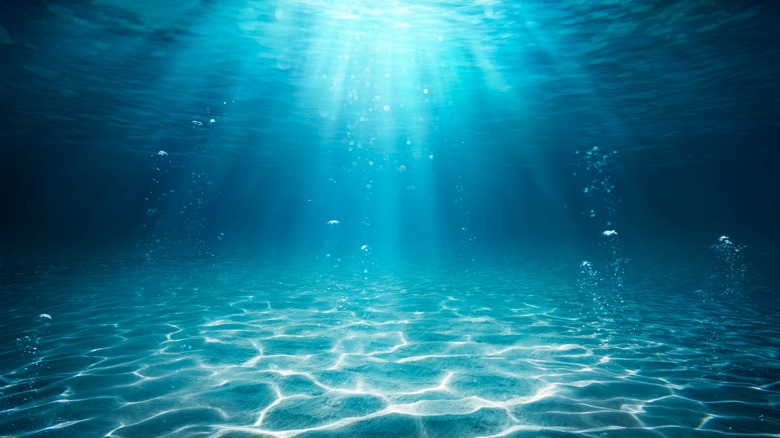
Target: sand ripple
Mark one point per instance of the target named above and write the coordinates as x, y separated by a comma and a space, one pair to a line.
248, 349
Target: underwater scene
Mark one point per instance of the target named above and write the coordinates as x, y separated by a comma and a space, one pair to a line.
463, 218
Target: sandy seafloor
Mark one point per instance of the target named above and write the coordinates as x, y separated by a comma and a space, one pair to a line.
239, 347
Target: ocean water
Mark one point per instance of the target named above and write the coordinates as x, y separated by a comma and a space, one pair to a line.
389, 219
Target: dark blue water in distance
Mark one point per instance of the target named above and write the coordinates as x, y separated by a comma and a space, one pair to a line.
309, 218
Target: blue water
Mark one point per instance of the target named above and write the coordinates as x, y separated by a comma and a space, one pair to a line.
407, 219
